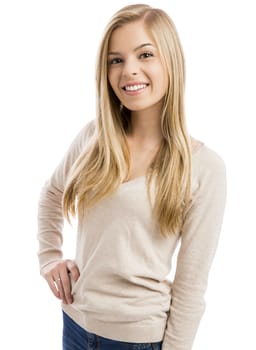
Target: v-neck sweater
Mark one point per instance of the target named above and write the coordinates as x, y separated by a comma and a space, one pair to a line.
123, 292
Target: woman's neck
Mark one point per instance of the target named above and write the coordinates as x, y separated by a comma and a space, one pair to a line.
145, 127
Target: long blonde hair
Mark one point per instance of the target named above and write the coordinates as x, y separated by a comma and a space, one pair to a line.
105, 163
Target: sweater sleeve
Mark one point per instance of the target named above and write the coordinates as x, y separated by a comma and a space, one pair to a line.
199, 239
50, 215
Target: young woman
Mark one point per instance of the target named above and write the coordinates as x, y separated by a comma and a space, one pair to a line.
138, 184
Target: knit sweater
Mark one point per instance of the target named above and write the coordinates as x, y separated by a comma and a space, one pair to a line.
123, 292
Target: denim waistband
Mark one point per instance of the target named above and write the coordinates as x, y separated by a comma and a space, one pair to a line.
82, 339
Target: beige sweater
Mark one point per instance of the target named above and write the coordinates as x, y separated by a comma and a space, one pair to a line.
122, 292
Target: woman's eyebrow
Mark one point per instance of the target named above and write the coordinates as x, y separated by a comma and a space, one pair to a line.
136, 49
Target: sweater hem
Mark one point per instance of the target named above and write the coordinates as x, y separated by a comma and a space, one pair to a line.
126, 332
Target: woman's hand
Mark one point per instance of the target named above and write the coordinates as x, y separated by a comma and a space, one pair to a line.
58, 276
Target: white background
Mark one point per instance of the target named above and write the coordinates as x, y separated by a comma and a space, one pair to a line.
47, 94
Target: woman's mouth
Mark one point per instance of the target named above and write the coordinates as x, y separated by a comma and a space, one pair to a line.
134, 89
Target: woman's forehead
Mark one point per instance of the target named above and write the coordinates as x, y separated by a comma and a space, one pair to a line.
130, 36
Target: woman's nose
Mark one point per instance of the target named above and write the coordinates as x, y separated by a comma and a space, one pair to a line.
131, 67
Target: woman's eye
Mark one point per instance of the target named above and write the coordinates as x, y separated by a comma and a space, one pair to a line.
146, 55
115, 61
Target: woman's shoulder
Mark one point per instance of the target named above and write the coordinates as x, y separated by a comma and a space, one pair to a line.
81, 140
89, 128
195, 144
85, 134
204, 157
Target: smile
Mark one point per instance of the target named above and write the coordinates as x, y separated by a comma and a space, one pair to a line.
133, 89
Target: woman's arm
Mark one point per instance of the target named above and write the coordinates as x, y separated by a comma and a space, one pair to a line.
50, 223
199, 239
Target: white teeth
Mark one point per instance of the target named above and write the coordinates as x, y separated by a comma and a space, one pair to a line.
135, 87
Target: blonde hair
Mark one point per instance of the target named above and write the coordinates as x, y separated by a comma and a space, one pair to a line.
105, 163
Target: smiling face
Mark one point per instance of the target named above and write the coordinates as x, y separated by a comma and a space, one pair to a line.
135, 70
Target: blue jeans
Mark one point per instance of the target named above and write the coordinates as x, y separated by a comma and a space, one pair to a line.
77, 338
